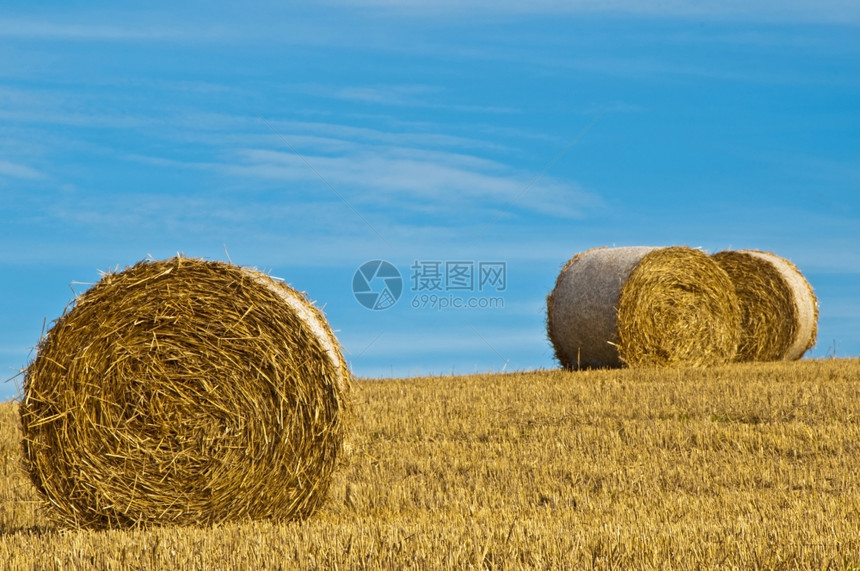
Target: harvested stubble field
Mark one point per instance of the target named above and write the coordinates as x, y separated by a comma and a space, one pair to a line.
749, 466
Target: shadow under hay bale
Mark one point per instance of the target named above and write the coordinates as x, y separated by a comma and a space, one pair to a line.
642, 306
185, 392
779, 308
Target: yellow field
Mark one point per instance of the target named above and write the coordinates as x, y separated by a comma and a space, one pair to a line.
746, 466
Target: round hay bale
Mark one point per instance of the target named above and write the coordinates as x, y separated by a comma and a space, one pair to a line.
642, 306
779, 308
186, 392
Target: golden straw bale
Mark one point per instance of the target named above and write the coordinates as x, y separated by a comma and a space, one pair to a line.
185, 391
780, 310
642, 306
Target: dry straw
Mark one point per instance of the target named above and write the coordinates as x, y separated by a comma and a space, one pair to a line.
780, 311
188, 392
642, 306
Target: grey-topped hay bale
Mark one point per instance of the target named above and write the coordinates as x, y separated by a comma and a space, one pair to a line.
779, 307
582, 323
642, 306
185, 392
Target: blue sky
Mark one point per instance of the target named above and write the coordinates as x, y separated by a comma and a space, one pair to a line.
306, 141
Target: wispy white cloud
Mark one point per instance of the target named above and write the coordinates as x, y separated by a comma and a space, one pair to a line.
434, 174
427, 96
448, 184
278, 226
389, 95
39, 29
836, 11
416, 174
326, 137
406, 135
16, 170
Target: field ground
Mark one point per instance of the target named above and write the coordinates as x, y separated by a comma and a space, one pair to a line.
745, 466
